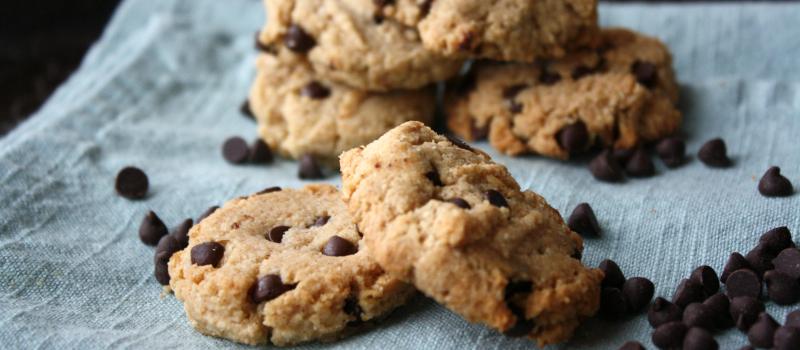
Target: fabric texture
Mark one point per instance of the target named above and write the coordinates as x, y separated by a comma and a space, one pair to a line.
161, 91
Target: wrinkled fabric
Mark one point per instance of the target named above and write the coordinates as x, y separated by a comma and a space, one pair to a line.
162, 88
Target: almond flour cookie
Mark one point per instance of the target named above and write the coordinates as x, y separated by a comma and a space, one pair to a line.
281, 266
619, 94
444, 217
344, 42
505, 30
298, 114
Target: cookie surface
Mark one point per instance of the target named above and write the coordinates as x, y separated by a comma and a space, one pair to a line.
457, 226
287, 292
623, 91
345, 42
298, 114
505, 30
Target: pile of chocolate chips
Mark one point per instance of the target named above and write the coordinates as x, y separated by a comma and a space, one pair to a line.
621, 297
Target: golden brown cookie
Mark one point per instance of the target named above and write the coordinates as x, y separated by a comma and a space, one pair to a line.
283, 266
620, 93
444, 217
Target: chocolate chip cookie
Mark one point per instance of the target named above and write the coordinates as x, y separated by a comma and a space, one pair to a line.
619, 93
345, 42
282, 266
444, 217
505, 30
300, 114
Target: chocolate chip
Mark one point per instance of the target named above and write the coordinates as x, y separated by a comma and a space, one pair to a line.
131, 183
581, 71
458, 142
605, 168
735, 262
793, 319
707, 277
744, 311
742, 283
762, 332
699, 315
496, 198
260, 152
632, 345
460, 203
782, 289
152, 229
269, 190
573, 138
612, 304
181, 232
714, 153
777, 239
672, 151
788, 262
689, 291
613, 274
549, 78
646, 73
309, 169
577, 255
161, 271
773, 184
433, 176
268, 287
640, 164
425, 8
338, 246
276, 233
167, 245
207, 213
235, 150
298, 40
352, 308
699, 339
662, 311
321, 221
315, 90
638, 292
669, 335
583, 221
786, 338
760, 259
523, 326
208, 253
719, 304
246, 110
517, 287
622, 155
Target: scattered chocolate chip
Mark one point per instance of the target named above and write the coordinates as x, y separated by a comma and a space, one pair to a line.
744, 311
260, 152
458, 142
573, 138
433, 176
672, 151
167, 245
246, 110
549, 78
309, 169
152, 229
181, 232
496, 198
581, 71
612, 304
613, 274
788, 262
781, 288
298, 40
315, 90
268, 287
706, 276
523, 326
632, 345
786, 338
719, 305
131, 183
269, 190
762, 332
689, 291
622, 155
161, 271
742, 283
460, 203
699, 339
662, 311
793, 319
735, 262
640, 164
235, 150
714, 153
583, 221
517, 287
321, 221
669, 335
604, 167
208, 253
646, 73
276, 233
760, 259
777, 239
699, 315
773, 184
638, 292
338, 246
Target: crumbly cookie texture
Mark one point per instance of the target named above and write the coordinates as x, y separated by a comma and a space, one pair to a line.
299, 114
506, 30
322, 298
622, 90
347, 43
456, 225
